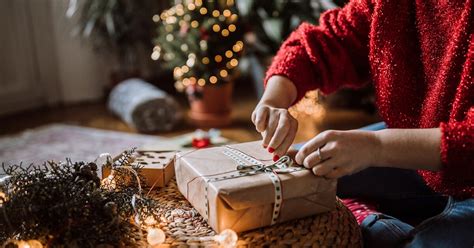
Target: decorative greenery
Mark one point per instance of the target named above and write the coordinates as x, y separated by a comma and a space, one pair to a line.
66, 205
273, 20
200, 41
122, 27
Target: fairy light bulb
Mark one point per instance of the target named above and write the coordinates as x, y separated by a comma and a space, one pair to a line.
155, 236
216, 13
225, 32
190, 62
229, 54
227, 13
201, 82
163, 16
234, 62
171, 19
194, 24
179, 11
179, 86
224, 73
3, 197
198, 2
203, 11
177, 72
185, 69
191, 6
232, 28
203, 45
156, 18
218, 58
205, 60
227, 239
155, 55
34, 244
22, 244
186, 82
213, 79
216, 28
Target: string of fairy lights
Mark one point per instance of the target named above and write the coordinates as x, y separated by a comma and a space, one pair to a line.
199, 41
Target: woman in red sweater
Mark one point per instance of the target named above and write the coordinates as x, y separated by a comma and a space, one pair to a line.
420, 57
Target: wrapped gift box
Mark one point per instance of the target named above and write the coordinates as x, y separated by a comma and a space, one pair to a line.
237, 199
157, 167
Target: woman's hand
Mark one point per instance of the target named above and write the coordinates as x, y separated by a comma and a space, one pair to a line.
341, 152
271, 116
277, 126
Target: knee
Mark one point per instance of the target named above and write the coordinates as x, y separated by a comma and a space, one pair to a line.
379, 230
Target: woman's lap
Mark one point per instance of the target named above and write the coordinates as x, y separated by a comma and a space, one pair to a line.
450, 228
396, 192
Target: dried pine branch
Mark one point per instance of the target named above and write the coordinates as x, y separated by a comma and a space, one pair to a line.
64, 204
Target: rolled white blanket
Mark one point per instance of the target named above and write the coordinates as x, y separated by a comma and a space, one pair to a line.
144, 106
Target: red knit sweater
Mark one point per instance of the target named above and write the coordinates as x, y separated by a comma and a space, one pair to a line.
420, 57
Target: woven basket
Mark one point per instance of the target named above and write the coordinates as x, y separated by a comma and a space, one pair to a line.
182, 224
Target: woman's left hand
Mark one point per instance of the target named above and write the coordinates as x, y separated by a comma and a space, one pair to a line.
341, 152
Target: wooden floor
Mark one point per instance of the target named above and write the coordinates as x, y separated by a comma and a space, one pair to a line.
96, 115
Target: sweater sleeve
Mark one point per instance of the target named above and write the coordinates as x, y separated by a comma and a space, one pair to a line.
457, 147
330, 55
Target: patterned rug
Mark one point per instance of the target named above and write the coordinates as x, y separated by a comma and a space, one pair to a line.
58, 141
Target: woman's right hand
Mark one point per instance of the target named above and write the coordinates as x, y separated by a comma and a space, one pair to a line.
271, 116
277, 126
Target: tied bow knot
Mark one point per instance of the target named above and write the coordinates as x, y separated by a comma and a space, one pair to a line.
280, 166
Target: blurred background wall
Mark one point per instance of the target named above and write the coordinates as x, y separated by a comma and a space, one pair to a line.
41, 62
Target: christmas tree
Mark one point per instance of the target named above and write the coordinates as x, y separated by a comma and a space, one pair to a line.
200, 41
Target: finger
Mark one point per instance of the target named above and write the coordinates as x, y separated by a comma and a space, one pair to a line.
313, 158
325, 167
312, 145
281, 131
261, 117
288, 140
254, 114
270, 130
292, 153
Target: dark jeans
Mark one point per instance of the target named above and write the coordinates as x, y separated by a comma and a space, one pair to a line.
412, 215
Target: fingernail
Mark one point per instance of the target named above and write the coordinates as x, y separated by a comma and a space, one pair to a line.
265, 146
275, 158
271, 150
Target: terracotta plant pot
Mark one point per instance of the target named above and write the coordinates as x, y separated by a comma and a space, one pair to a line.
211, 105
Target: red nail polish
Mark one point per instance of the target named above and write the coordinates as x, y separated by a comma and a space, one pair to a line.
275, 158
271, 150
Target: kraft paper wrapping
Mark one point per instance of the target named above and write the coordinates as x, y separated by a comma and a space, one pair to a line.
246, 203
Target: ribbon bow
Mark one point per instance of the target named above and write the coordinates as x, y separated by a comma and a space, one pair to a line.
280, 166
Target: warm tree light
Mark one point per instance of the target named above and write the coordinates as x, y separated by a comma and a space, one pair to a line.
155, 236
